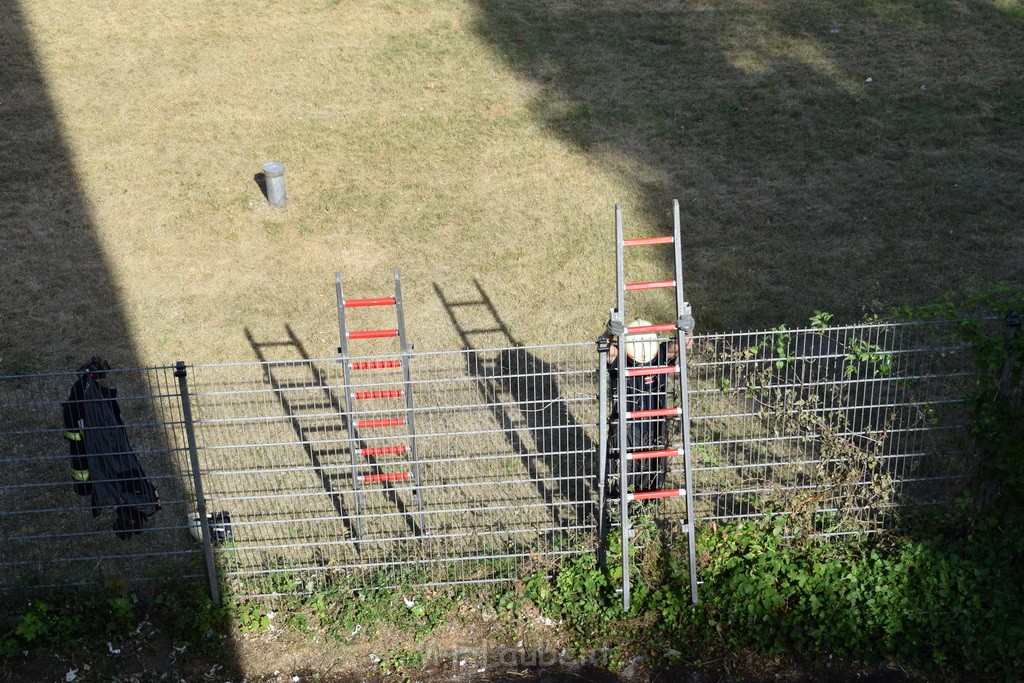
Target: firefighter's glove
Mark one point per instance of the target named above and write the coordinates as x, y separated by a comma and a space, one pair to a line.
686, 323
615, 328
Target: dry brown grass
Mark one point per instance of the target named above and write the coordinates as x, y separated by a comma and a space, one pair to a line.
461, 140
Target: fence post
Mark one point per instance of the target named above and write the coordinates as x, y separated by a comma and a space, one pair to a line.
603, 343
181, 373
1012, 330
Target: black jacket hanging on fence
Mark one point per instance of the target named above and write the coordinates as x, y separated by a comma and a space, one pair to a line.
103, 463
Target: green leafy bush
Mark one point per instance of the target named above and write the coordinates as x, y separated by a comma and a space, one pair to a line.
924, 602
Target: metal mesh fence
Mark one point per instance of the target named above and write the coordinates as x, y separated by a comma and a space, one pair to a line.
505, 464
53, 537
840, 428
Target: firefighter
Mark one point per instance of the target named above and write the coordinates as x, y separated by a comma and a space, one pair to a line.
643, 392
103, 465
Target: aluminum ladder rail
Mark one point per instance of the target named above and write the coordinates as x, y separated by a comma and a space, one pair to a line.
403, 416
683, 449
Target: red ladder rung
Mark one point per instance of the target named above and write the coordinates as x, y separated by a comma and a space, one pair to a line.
647, 455
372, 334
657, 284
660, 327
385, 422
657, 412
358, 303
642, 241
649, 495
375, 364
385, 393
383, 450
389, 476
662, 370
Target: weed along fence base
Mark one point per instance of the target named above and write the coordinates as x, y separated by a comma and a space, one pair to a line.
839, 427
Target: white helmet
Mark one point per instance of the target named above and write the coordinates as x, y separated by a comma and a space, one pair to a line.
642, 348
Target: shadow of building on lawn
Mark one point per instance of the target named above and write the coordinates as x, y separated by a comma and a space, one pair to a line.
804, 182
62, 305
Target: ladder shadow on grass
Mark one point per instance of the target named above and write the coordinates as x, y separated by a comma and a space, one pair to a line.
333, 483
519, 379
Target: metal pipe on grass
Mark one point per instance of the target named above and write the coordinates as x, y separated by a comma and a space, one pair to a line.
273, 176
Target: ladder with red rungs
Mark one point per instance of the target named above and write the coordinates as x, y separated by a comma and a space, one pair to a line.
678, 328
390, 403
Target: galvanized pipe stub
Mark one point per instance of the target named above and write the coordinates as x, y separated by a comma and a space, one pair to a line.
273, 176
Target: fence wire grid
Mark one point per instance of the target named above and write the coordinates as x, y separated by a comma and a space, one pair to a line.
841, 428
